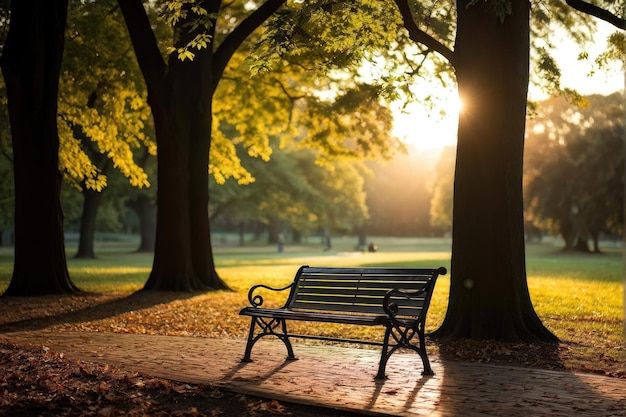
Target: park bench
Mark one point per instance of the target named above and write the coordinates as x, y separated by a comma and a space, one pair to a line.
396, 299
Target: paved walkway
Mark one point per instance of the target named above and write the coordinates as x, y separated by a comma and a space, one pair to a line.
342, 378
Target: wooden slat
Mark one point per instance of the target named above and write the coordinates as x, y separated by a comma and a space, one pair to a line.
344, 291
345, 308
367, 271
363, 284
369, 320
364, 278
358, 290
356, 298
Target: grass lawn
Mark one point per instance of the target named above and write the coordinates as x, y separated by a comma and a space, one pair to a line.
578, 297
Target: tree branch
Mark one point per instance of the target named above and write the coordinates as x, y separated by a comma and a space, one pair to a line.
420, 36
598, 12
144, 42
228, 47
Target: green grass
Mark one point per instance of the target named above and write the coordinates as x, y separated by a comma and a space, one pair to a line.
568, 290
578, 297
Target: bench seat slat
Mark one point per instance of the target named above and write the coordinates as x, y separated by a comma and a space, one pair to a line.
380, 288
363, 278
314, 316
356, 299
355, 293
323, 270
357, 309
346, 308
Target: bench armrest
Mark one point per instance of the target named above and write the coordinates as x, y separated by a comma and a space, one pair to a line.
391, 308
256, 300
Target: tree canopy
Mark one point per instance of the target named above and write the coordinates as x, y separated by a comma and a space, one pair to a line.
574, 165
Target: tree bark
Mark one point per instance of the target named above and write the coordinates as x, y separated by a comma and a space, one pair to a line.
183, 259
274, 229
180, 94
91, 203
489, 297
146, 212
582, 243
31, 62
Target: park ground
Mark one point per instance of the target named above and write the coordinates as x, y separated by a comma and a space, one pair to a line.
36, 381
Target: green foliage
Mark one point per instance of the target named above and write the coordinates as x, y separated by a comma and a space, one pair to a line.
574, 167
442, 190
293, 188
325, 35
615, 51
102, 103
188, 17
347, 36
353, 126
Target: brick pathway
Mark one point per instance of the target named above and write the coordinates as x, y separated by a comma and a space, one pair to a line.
342, 378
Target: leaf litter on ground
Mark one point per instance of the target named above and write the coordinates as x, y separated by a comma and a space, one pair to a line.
46, 383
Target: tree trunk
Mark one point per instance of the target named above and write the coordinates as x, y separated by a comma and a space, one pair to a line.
274, 229
31, 62
582, 243
595, 236
183, 258
242, 233
91, 202
146, 212
489, 296
180, 94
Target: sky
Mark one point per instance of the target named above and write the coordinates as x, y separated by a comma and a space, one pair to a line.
434, 131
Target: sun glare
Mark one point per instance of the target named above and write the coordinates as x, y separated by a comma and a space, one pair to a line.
429, 128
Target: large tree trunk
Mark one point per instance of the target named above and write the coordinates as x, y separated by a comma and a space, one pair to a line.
180, 94
489, 296
183, 260
91, 203
31, 62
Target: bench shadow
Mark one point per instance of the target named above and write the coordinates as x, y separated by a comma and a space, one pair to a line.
232, 376
478, 389
412, 397
102, 310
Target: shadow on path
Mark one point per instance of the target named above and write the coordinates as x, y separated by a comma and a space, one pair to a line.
490, 390
343, 378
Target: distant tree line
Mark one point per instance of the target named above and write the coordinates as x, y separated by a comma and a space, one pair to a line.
573, 172
572, 181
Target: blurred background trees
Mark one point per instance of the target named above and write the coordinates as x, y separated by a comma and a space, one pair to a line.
289, 143
574, 170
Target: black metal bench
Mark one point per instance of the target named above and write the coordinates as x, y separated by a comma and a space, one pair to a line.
395, 298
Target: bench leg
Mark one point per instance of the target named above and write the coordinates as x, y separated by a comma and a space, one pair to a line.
251, 341
285, 338
421, 350
384, 356
402, 339
267, 328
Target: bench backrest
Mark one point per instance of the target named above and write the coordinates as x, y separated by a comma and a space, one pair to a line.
362, 290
